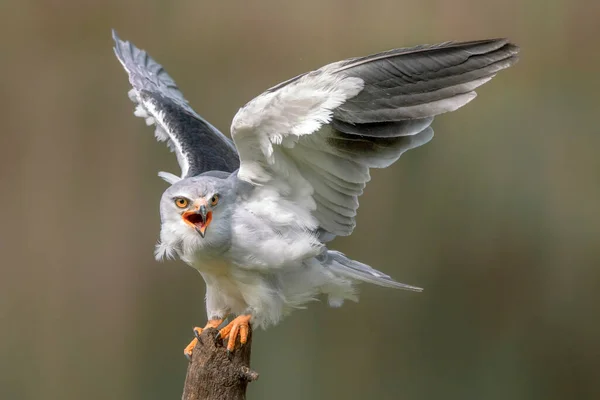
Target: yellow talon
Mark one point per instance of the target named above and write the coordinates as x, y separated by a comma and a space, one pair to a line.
213, 323
239, 327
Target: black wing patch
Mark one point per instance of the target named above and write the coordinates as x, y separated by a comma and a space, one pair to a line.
198, 145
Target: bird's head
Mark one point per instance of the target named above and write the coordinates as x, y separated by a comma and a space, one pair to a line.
196, 215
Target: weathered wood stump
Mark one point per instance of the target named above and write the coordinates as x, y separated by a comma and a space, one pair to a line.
214, 374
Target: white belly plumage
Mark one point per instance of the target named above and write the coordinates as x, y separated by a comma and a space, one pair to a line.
266, 296
234, 290
224, 290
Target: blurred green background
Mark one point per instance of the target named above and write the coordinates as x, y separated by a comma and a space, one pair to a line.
498, 218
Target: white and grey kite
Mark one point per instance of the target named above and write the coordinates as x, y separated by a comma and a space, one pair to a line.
254, 216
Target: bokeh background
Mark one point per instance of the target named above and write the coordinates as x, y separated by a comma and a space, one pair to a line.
498, 218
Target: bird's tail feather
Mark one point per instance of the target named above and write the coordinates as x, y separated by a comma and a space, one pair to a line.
342, 266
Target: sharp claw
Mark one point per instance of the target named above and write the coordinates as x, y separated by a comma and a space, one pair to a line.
188, 351
218, 335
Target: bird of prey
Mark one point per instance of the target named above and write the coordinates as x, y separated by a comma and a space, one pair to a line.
255, 215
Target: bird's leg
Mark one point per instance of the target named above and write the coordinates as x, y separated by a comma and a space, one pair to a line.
212, 323
238, 327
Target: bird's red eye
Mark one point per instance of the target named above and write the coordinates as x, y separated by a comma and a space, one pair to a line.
181, 202
214, 200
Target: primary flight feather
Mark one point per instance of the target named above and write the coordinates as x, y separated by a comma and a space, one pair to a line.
254, 216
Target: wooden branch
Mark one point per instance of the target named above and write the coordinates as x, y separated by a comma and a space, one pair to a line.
214, 374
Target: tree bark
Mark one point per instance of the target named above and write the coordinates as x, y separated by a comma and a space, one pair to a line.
214, 374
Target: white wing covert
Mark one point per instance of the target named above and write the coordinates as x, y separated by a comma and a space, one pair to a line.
315, 137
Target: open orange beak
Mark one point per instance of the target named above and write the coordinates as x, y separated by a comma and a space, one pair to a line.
199, 219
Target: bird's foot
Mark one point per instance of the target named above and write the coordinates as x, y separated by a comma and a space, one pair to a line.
239, 327
213, 323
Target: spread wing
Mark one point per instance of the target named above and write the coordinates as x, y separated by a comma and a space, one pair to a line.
315, 137
198, 145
